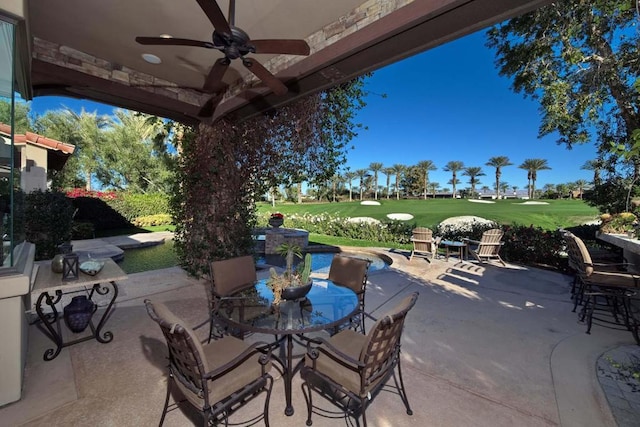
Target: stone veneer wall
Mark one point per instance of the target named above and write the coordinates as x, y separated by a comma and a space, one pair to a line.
73, 59
64, 56
274, 237
368, 12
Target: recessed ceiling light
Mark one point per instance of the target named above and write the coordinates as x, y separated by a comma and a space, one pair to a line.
166, 36
151, 59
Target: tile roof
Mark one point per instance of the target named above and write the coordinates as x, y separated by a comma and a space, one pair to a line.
39, 140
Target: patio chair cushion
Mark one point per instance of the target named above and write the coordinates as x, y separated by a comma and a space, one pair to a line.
213, 356
232, 275
350, 343
223, 351
370, 349
350, 272
614, 279
163, 312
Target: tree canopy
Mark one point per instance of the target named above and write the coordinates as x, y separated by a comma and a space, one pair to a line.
127, 150
579, 59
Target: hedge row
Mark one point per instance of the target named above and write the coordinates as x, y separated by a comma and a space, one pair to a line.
108, 210
132, 206
522, 244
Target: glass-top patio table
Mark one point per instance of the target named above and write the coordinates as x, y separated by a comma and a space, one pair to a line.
325, 306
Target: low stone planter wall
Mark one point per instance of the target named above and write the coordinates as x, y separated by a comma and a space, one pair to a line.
274, 237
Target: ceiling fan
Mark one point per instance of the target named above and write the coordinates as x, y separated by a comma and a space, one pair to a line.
234, 43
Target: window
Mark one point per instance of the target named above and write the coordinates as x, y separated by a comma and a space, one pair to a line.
7, 118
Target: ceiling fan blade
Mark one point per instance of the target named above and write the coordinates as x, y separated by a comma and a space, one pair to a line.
172, 41
209, 107
215, 15
213, 83
289, 47
265, 75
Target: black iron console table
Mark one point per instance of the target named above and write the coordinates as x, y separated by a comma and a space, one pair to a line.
49, 289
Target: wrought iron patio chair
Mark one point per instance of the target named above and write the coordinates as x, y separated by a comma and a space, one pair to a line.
488, 247
600, 259
424, 244
351, 272
604, 288
218, 378
350, 369
228, 277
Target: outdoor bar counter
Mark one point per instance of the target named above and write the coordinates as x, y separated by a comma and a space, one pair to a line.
630, 247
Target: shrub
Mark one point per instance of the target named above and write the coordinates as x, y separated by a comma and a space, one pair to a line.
470, 230
82, 230
618, 223
99, 213
150, 220
47, 221
391, 232
110, 210
522, 244
133, 206
81, 192
533, 245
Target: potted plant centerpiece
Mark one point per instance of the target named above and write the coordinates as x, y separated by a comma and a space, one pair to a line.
293, 283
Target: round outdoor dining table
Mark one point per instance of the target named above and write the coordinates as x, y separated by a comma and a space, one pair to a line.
326, 306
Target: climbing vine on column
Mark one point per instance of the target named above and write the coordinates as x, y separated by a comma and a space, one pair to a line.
224, 166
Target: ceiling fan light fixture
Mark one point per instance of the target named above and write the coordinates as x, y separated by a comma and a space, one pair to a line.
151, 58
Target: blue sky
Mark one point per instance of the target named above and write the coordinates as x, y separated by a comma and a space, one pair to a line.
444, 104
449, 103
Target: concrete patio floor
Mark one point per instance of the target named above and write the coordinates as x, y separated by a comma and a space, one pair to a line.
484, 346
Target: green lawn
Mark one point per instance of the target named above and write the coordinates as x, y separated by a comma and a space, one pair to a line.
558, 213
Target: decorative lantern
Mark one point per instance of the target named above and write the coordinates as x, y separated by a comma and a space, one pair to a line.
70, 267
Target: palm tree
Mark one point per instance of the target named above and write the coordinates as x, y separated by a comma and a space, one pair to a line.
532, 166
454, 166
388, 172
375, 167
580, 184
473, 172
349, 177
424, 167
398, 170
362, 175
515, 189
453, 183
595, 166
336, 180
498, 162
504, 186
485, 189
563, 189
88, 138
433, 186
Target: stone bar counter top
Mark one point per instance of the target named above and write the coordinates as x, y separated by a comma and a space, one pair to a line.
630, 247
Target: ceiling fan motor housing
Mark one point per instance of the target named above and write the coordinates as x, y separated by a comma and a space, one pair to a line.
235, 47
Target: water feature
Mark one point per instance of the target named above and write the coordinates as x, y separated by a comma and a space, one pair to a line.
164, 256
321, 261
149, 258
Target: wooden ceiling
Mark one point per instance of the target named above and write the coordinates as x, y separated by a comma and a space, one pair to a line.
87, 48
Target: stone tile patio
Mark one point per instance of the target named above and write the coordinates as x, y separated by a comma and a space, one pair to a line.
484, 346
